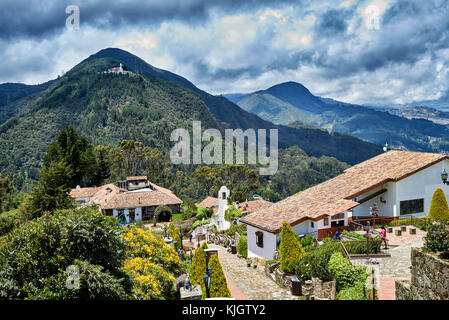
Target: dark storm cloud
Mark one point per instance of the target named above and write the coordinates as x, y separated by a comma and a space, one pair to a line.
25, 18
333, 22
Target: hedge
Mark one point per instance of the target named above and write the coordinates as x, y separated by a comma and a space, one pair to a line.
345, 274
218, 286
242, 246
290, 248
315, 262
359, 247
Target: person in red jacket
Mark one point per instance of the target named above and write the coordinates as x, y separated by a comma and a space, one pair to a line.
383, 237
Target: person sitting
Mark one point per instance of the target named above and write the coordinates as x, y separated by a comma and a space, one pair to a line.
336, 236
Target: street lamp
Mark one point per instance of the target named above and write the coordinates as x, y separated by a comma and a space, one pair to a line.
206, 279
444, 177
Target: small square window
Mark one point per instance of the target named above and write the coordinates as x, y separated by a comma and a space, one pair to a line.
326, 221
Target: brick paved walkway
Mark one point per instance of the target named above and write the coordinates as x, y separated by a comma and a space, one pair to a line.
249, 283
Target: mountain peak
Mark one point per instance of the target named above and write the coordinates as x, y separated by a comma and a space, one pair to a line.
290, 86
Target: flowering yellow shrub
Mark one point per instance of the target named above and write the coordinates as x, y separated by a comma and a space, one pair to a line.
152, 264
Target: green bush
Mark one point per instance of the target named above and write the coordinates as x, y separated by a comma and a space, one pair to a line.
438, 207
177, 238
199, 223
198, 267
359, 247
290, 248
242, 246
327, 240
204, 213
218, 286
8, 221
437, 240
345, 274
315, 262
421, 222
355, 292
36, 255
353, 235
240, 229
307, 241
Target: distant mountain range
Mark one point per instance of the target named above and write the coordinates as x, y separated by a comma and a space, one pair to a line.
146, 105
290, 101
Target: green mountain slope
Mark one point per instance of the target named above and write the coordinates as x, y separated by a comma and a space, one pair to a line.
105, 108
287, 102
11, 92
313, 142
147, 105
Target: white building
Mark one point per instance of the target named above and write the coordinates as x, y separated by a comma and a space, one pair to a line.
400, 183
135, 198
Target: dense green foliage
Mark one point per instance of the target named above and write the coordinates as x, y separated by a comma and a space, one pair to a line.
177, 239
198, 267
6, 191
345, 274
36, 255
307, 241
438, 207
290, 248
315, 262
218, 286
359, 247
437, 240
242, 246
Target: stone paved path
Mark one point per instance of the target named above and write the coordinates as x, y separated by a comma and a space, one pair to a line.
390, 269
252, 283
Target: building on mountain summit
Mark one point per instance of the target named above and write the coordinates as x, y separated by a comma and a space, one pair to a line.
396, 184
135, 198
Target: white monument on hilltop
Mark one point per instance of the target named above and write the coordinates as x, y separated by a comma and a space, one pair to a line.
219, 219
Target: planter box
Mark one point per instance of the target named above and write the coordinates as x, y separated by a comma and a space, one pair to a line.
412, 230
398, 232
403, 228
390, 229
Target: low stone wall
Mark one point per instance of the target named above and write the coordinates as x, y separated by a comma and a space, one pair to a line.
316, 289
221, 240
429, 281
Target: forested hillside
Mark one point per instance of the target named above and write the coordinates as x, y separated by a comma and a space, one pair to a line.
290, 101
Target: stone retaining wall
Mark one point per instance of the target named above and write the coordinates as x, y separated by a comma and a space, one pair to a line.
429, 281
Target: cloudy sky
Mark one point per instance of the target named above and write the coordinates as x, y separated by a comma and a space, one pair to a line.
374, 51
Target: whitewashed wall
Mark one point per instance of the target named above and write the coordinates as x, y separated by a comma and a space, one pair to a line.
269, 244
419, 185
422, 185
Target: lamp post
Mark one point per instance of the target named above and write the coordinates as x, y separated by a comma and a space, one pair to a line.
206, 279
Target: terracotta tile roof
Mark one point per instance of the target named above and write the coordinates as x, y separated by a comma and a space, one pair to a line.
255, 205
117, 198
334, 196
136, 178
83, 192
137, 199
208, 202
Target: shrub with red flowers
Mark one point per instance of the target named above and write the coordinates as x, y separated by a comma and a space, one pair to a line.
437, 240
